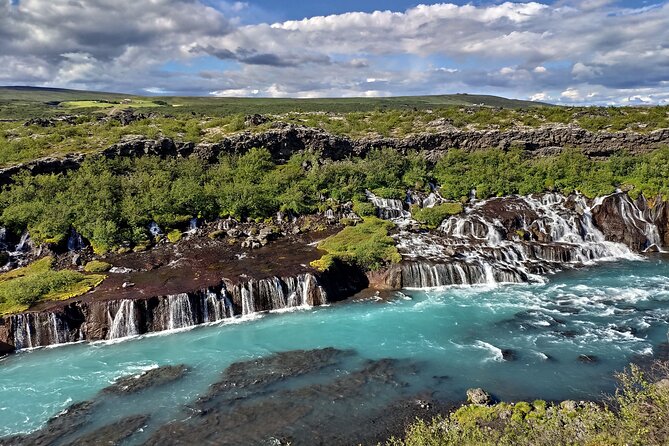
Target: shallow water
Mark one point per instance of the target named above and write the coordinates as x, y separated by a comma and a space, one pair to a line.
517, 341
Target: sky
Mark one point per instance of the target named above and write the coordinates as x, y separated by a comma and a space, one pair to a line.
604, 52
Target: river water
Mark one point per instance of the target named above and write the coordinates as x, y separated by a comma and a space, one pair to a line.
563, 339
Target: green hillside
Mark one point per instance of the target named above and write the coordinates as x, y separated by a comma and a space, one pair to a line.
25, 102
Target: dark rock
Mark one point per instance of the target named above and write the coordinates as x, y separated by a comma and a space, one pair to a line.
113, 434
58, 427
588, 359
151, 378
479, 397
509, 354
254, 120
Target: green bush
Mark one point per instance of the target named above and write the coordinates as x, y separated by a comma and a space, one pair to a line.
367, 244
432, 217
174, 236
97, 266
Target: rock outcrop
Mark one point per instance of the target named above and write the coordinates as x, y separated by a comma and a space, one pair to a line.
117, 318
282, 142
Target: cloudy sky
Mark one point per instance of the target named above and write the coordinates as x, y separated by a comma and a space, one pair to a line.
564, 51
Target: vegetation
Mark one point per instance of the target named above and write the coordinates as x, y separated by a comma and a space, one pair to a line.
97, 266
112, 202
23, 287
495, 172
366, 244
637, 415
432, 217
211, 119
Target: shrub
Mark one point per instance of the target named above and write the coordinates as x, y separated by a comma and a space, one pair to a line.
432, 217
174, 236
639, 415
366, 244
97, 266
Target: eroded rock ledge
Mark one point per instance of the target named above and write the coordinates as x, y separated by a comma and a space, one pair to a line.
283, 142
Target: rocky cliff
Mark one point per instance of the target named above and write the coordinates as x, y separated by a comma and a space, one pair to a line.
282, 142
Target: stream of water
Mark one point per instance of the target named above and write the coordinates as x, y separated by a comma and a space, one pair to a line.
558, 340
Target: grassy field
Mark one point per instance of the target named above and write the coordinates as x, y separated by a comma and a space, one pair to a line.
207, 119
27, 102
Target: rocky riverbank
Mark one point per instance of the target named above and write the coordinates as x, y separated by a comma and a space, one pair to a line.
287, 139
206, 279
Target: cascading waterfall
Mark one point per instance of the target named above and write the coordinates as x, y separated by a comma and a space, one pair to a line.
388, 208
124, 323
515, 239
180, 312
128, 317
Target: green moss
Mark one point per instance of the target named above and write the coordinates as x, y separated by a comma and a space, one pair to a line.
366, 244
217, 234
174, 236
97, 266
23, 287
324, 263
432, 217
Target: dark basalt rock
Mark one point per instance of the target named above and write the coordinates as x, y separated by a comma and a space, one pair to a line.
58, 427
151, 378
588, 359
509, 354
113, 434
288, 139
326, 408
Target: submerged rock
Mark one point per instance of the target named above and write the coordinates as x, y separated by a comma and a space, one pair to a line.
57, 428
113, 434
151, 378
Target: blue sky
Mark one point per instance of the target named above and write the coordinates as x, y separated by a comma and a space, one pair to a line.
566, 51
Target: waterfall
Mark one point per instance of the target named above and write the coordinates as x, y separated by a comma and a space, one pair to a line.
180, 312
154, 229
75, 241
22, 331
248, 306
515, 239
124, 323
388, 208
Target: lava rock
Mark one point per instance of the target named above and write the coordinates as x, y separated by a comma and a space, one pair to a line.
479, 397
151, 378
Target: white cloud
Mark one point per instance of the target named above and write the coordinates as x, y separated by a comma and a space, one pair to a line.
579, 52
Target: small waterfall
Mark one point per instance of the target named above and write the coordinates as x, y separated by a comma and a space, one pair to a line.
124, 323
192, 226
39, 329
248, 306
24, 242
22, 331
154, 229
388, 208
75, 242
634, 217
180, 312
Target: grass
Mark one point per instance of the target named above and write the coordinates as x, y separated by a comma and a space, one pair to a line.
366, 244
638, 414
23, 287
130, 103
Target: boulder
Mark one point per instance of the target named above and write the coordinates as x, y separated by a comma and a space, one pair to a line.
479, 397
